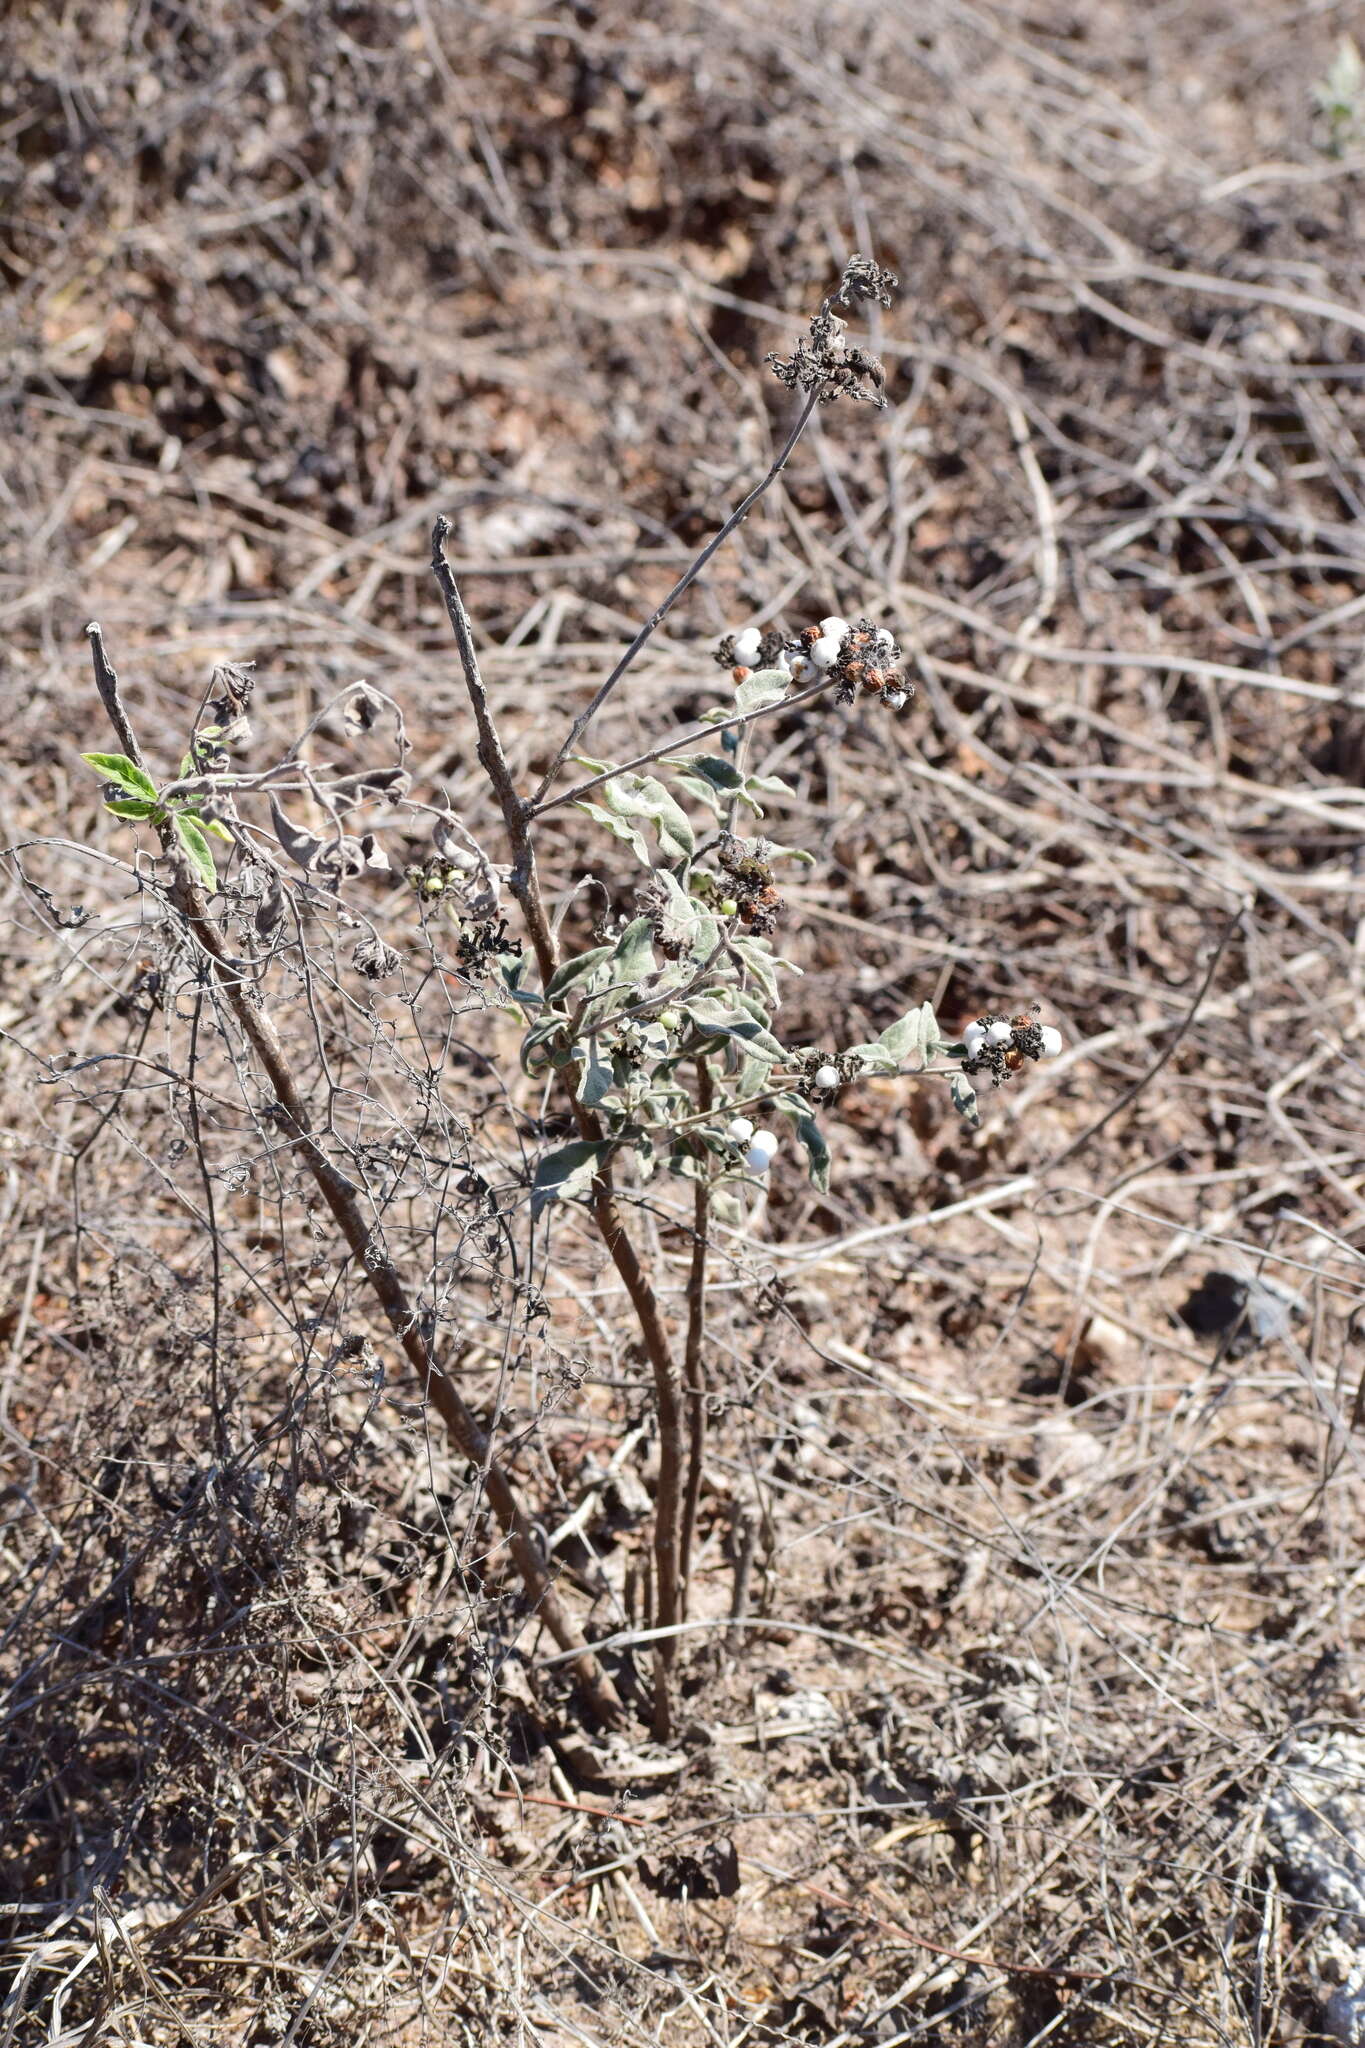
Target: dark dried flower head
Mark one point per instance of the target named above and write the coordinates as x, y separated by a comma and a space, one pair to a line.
374, 959
230, 691
867, 661
823, 364
865, 279
998, 1046
482, 942
749, 878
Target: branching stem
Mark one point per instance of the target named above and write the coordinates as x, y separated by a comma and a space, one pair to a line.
368, 1251
694, 1355
605, 1210
684, 583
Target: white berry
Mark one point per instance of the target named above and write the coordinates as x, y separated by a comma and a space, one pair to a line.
1000, 1033
826, 1077
826, 651
746, 644
1052, 1041
974, 1037
740, 1131
834, 629
893, 699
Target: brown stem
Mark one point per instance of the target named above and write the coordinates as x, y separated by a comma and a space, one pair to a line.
517, 815
694, 1361
371, 1259
680, 741
684, 583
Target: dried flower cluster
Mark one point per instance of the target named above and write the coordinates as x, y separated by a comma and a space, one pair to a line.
998, 1046
749, 878
858, 658
826, 366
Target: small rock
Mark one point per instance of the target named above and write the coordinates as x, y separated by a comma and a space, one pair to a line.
1104, 1343
1241, 1311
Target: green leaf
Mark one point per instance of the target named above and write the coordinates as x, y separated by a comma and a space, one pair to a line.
130, 807
619, 828
964, 1099
711, 778
762, 963
684, 926
766, 686
219, 830
769, 785
511, 970
713, 768
718, 1019
916, 1035
541, 1034
134, 781
644, 796
596, 1078
567, 1174
200, 852
575, 970
701, 792
633, 960
757, 1010
817, 1151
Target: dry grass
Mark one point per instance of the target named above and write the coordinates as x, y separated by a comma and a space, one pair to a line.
1043, 1581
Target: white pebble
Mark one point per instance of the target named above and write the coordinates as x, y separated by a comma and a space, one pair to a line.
1052, 1042
746, 645
826, 1077
740, 1131
1000, 1033
826, 651
834, 629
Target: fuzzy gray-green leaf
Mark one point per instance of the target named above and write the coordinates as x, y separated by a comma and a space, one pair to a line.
964, 1099
566, 1174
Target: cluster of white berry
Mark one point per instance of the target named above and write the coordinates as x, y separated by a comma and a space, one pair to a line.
980, 1034
760, 1146
864, 656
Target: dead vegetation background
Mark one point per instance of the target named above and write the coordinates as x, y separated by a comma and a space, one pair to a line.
1044, 1562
